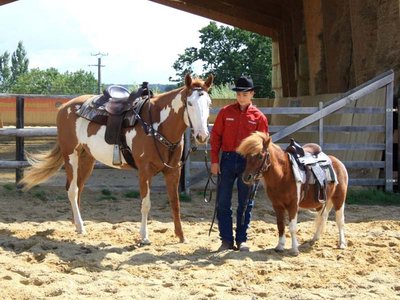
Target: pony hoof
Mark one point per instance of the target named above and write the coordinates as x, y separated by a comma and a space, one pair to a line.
294, 252
342, 246
81, 231
278, 250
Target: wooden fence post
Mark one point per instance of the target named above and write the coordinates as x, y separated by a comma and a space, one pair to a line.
19, 141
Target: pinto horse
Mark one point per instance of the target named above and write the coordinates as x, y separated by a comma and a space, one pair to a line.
267, 160
81, 142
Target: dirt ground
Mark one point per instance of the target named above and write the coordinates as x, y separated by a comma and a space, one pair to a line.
41, 256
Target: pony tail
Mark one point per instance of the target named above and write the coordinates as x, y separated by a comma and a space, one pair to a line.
43, 166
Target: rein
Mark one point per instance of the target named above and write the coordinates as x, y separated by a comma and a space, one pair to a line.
254, 187
266, 163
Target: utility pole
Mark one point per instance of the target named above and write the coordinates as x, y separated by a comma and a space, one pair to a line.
99, 66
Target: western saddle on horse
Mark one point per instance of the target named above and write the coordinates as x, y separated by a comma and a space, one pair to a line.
117, 108
311, 166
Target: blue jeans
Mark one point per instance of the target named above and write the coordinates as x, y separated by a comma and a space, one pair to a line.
232, 166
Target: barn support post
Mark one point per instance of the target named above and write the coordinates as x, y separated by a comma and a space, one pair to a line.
321, 127
185, 171
389, 139
19, 140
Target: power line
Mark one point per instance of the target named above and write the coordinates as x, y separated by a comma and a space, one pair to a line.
99, 66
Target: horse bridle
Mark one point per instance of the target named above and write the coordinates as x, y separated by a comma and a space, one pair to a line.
164, 141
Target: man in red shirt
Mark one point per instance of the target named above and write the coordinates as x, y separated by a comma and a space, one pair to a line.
234, 123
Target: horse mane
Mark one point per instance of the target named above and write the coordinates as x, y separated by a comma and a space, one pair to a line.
197, 82
253, 144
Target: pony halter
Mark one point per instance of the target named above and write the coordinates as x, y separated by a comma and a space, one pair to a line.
265, 164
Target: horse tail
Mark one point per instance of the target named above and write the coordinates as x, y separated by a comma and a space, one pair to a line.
43, 166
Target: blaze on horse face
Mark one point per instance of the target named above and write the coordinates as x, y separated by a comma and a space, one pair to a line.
198, 104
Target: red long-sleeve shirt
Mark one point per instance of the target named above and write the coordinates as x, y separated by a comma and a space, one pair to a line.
233, 125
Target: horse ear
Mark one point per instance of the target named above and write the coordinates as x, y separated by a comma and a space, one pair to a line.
209, 81
188, 80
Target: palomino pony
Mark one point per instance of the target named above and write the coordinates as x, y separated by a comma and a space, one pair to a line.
267, 160
82, 142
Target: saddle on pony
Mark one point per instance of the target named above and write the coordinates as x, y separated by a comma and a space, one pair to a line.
117, 108
311, 166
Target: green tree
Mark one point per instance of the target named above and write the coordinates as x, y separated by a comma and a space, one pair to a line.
228, 53
19, 62
73, 83
19, 66
52, 82
5, 72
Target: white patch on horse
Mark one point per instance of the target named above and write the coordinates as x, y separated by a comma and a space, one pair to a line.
298, 188
164, 113
100, 150
146, 205
69, 110
73, 194
130, 135
177, 103
293, 230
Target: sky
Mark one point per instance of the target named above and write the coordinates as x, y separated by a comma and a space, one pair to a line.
142, 39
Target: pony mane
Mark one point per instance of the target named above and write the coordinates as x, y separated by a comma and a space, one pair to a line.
253, 144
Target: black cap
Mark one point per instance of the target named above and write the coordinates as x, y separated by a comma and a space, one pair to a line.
244, 84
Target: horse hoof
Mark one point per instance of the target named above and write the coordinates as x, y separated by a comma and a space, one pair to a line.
278, 250
144, 243
81, 231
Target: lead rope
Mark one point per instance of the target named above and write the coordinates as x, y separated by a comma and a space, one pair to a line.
215, 206
253, 190
210, 179
251, 195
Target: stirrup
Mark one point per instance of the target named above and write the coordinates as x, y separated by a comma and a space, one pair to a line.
116, 156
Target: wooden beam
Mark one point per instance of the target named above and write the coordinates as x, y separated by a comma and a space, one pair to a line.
2, 2
250, 18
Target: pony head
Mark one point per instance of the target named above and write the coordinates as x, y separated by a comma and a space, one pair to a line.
255, 149
198, 107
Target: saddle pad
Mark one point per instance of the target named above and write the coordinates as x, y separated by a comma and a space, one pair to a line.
301, 175
89, 112
309, 159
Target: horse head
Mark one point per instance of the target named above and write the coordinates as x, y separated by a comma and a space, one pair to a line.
255, 149
198, 107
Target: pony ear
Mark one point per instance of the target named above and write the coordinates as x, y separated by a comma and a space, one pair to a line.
209, 81
266, 141
188, 80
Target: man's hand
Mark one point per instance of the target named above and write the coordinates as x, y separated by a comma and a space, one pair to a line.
215, 169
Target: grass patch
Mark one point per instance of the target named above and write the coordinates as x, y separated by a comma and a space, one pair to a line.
132, 194
107, 195
105, 192
223, 91
9, 187
372, 197
40, 195
184, 198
